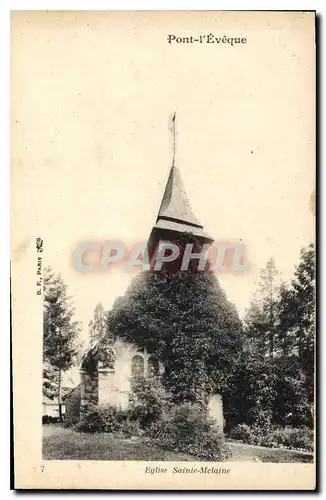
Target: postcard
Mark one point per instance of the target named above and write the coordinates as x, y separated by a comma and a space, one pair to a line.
163, 249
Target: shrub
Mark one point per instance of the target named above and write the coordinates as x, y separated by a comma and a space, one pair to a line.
130, 428
100, 419
187, 428
47, 419
301, 438
241, 432
148, 401
273, 436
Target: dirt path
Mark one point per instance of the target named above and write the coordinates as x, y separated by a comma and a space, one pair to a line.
251, 453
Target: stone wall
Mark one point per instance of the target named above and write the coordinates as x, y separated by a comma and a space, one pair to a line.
88, 387
72, 404
110, 383
114, 384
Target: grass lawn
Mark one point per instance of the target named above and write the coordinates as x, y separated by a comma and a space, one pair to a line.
64, 444
60, 443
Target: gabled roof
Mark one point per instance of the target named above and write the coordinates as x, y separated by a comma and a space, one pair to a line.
65, 396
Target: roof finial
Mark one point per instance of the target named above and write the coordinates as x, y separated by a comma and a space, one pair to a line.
174, 134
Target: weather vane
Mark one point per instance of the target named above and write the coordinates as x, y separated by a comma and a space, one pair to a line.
172, 128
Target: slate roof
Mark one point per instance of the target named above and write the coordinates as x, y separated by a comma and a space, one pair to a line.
175, 213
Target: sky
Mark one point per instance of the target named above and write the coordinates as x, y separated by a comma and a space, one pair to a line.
92, 97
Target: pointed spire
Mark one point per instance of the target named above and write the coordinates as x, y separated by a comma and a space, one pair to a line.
175, 213
175, 203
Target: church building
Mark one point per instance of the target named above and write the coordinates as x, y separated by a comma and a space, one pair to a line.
109, 367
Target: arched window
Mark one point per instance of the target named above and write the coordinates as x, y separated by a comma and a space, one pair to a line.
137, 366
152, 367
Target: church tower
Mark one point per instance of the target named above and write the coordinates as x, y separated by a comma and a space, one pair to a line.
111, 365
175, 218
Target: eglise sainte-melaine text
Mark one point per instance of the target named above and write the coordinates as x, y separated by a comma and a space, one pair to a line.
187, 470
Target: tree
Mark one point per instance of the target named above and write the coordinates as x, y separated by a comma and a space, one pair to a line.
274, 381
262, 315
186, 319
297, 319
50, 380
60, 334
251, 392
97, 325
301, 310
